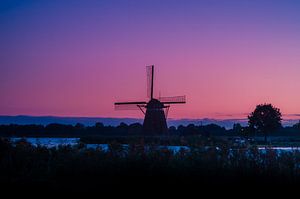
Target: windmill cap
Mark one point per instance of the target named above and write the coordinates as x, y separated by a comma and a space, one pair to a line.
154, 103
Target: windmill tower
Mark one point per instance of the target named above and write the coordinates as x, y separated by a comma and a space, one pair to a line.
155, 110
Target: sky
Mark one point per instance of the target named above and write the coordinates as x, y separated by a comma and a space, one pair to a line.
76, 58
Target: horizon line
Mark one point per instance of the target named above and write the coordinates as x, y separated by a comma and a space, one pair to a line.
184, 118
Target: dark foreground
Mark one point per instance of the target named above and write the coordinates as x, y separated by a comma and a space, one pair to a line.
33, 170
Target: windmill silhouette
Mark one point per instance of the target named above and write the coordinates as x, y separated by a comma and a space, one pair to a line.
155, 110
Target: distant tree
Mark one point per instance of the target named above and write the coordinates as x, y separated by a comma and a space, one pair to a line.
181, 129
122, 129
246, 131
265, 119
191, 129
79, 126
214, 130
99, 125
172, 130
237, 127
122, 124
297, 125
135, 129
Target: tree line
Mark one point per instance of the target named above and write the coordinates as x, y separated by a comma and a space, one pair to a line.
263, 121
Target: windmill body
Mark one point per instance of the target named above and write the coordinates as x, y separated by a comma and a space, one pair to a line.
155, 118
155, 110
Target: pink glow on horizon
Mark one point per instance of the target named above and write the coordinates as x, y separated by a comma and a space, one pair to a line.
78, 59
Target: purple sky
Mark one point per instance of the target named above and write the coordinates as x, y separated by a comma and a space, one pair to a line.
76, 58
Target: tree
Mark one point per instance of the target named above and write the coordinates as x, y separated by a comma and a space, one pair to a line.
237, 128
172, 130
265, 119
135, 129
99, 125
297, 125
79, 126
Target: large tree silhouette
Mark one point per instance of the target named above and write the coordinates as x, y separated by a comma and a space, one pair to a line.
265, 119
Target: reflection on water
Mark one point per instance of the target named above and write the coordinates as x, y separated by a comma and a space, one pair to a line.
280, 148
49, 142
55, 142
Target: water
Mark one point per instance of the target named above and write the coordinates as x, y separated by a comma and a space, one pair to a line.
50, 142
280, 149
55, 142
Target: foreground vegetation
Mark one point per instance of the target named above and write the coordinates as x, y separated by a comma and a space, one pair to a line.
147, 162
80, 169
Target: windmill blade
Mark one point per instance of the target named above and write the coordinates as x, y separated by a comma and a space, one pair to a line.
150, 75
129, 105
173, 100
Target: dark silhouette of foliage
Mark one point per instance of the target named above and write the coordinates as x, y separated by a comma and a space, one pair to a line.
297, 126
237, 127
99, 125
265, 119
79, 126
125, 133
81, 169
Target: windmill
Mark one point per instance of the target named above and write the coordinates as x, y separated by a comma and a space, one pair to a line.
155, 110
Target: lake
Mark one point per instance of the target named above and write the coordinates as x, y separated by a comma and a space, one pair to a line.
55, 142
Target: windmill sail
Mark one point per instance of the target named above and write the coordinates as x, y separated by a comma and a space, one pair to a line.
173, 100
150, 73
129, 105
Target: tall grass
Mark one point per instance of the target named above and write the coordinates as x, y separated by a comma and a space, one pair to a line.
22, 163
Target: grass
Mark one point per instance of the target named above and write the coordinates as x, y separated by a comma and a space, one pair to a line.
82, 169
